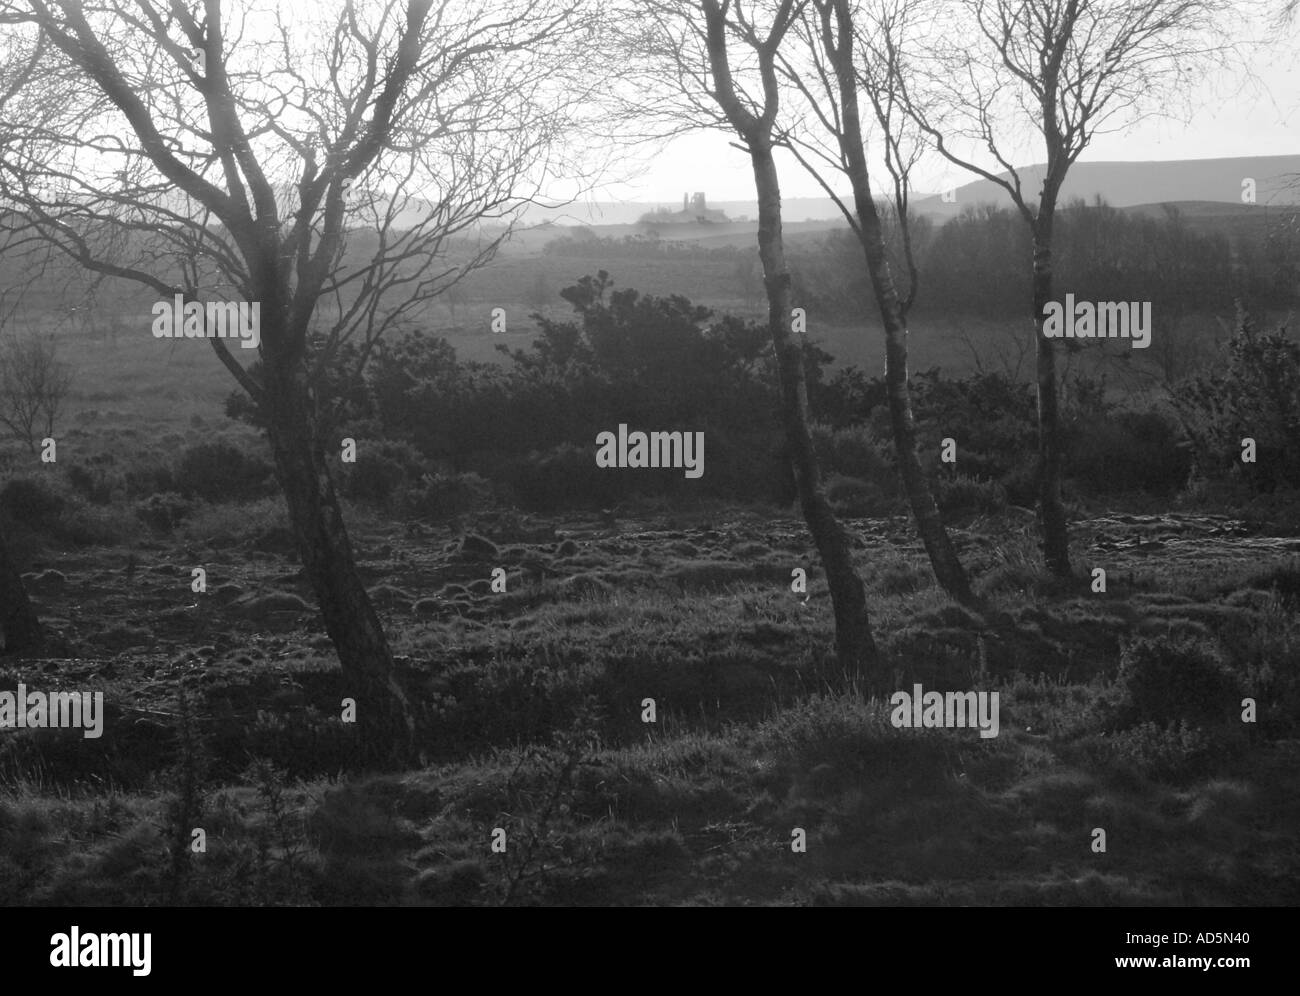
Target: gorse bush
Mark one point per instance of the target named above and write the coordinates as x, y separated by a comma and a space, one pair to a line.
1165, 680
381, 470
165, 511
1255, 395
528, 428
31, 501
565, 476
969, 494
374, 477
221, 472
341, 392
1129, 451
661, 363
855, 452
96, 481
436, 497
147, 478
39, 505
991, 418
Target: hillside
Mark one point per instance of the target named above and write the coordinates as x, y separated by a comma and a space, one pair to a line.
1121, 184
1126, 184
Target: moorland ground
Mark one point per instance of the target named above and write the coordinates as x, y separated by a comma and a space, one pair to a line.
1120, 709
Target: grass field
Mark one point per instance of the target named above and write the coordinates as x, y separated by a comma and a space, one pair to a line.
534, 701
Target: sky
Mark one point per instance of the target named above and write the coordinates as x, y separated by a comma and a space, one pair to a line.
1235, 118
1259, 120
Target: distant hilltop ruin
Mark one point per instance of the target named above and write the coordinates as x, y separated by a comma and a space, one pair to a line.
694, 212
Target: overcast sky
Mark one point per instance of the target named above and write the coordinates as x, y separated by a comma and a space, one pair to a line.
1259, 121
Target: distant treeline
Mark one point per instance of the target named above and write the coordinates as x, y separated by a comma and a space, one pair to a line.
979, 263
583, 241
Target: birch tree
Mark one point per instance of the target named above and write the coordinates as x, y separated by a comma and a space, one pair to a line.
833, 62
713, 63
989, 73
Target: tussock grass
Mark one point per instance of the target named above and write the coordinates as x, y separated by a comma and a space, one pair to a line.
749, 743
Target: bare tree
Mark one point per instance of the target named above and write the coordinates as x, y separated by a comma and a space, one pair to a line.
829, 72
335, 167
457, 296
720, 66
33, 385
1064, 70
1009, 350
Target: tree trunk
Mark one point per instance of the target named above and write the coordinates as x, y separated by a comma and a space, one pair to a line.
855, 646
382, 711
19, 625
943, 558
1051, 511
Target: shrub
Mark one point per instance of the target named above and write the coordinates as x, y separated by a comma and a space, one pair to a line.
1132, 451
221, 472
225, 525
746, 465
970, 494
374, 477
31, 501
381, 471
853, 497
566, 477
1255, 394
163, 512
149, 479
59, 519
1165, 680
853, 452
990, 417
1021, 486
88, 526
95, 483
437, 496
